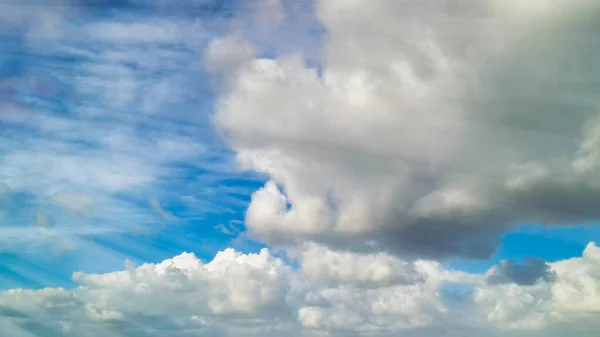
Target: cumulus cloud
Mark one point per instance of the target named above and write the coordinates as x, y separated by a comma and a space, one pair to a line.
242, 294
571, 297
224, 56
178, 295
428, 128
344, 267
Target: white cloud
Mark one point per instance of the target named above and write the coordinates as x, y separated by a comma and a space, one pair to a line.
572, 296
153, 32
80, 204
157, 207
224, 56
33, 20
430, 129
271, 13
343, 267
232, 290
241, 294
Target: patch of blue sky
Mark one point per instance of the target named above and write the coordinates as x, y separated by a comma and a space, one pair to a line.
34, 271
530, 240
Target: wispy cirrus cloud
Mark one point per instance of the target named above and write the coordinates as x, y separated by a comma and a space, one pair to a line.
105, 112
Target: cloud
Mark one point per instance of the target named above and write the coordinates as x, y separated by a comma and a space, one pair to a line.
343, 267
546, 305
428, 129
531, 271
4, 189
104, 113
232, 290
80, 204
241, 294
154, 32
232, 229
155, 204
42, 220
30, 19
224, 56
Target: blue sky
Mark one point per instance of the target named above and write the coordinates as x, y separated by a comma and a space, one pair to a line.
103, 72
53, 83
68, 80
331, 133
550, 244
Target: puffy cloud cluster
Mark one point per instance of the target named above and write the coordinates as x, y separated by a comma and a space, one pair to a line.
571, 296
179, 294
239, 294
231, 284
428, 129
324, 265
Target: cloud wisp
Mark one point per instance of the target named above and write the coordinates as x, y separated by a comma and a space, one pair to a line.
103, 113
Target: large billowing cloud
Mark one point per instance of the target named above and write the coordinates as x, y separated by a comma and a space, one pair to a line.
259, 294
428, 129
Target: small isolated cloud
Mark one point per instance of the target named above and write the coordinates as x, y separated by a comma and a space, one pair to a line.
223, 229
232, 229
531, 271
157, 207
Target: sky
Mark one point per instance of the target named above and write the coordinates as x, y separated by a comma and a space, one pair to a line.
332, 168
